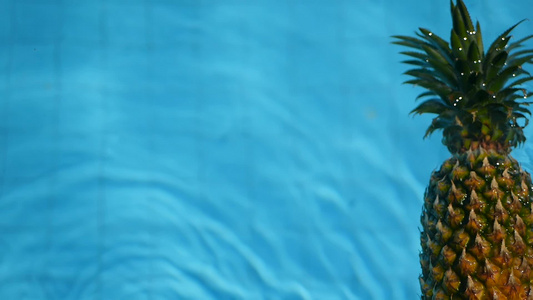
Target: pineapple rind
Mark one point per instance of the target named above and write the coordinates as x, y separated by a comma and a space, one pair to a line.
477, 237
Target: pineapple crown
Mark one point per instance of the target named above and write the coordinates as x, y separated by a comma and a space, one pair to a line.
476, 95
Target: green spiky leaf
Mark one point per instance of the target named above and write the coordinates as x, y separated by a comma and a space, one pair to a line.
505, 75
478, 96
493, 66
501, 41
433, 106
518, 43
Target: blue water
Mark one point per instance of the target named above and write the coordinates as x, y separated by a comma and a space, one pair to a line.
202, 149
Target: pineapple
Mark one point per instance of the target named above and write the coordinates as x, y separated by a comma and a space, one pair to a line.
477, 220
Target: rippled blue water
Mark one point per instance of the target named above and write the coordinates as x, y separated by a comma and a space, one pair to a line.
202, 149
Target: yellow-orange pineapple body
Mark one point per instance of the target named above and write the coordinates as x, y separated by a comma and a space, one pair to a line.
477, 238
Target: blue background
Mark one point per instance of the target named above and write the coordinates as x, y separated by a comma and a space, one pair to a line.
203, 149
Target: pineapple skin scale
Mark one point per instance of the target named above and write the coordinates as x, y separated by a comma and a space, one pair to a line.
477, 238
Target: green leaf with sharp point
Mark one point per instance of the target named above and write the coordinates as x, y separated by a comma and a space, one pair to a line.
438, 123
479, 39
459, 24
506, 92
441, 70
462, 68
458, 48
497, 83
520, 60
492, 67
452, 7
519, 82
426, 94
517, 115
441, 89
416, 63
430, 83
432, 106
523, 95
474, 57
523, 110
435, 40
516, 54
436, 55
419, 55
421, 73
502, 40
409, 41
518, 43
465, 15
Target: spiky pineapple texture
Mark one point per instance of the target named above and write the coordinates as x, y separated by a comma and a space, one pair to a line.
477, 238
476, 95
477, 218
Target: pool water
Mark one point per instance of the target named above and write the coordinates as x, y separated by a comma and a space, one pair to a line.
201, 149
